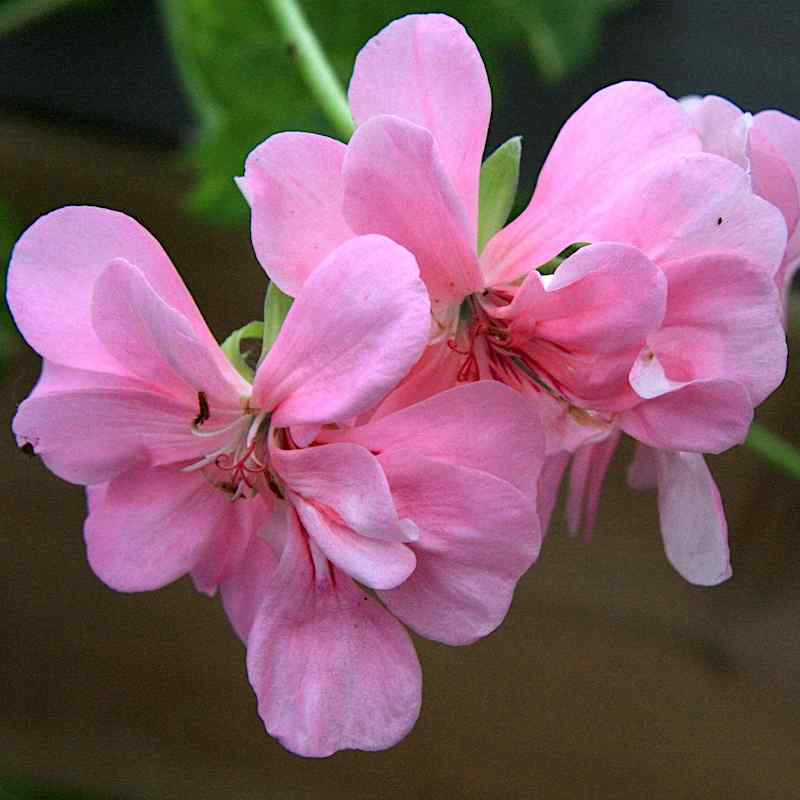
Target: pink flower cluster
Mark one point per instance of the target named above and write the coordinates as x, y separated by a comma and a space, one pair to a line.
397, 455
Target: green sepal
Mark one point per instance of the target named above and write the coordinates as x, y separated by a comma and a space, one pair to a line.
554, 263
232, 347
498, 188
276, 307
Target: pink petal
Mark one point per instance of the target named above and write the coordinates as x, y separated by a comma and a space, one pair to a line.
351, 335
241, 588
605, 298
92, 436
703, 416
724, 320
436, 371
52, 275
156, 343
293, 183
149, 527
346, 479
426, 69
614, 135
774, 152
395, 184
484, 426
478, 534
597, 310
722, 126
642, 471
549, 483
332, 669
692, 518
697, 205
586, 478
224, 552
376, 563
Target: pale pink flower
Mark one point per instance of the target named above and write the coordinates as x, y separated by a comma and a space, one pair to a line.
664, 326
138, 402
767, 146
137, 397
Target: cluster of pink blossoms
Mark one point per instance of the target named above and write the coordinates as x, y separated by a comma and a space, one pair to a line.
407, 431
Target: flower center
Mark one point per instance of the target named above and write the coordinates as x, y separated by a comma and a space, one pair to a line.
491, 350
240, 466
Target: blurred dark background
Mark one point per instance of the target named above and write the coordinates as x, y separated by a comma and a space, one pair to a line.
611, 676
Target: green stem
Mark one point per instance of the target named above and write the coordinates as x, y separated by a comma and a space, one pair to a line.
18, 14
315, 68
774, 449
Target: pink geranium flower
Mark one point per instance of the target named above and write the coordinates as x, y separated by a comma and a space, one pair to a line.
137, 397
767, 145
664, 326
189, 468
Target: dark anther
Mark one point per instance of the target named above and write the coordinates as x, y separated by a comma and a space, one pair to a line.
205, 413
719, 220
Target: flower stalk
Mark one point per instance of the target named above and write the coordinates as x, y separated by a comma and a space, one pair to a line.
304, 48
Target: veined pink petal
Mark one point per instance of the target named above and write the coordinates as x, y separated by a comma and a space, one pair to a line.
587, 475
149, 527
700, 416
484, 426
478, 534
351, 335
332, 669
57, 378
426, 69
293, 183
376, 563
156, 343
618, 132
241, 588
226, 549
692, 518
643, 470
92, 436
348, 480
53, 271
395, 185
723, 320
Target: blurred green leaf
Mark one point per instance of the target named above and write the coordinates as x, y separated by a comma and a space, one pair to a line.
498, 189
18, 14
10, 230
245, 87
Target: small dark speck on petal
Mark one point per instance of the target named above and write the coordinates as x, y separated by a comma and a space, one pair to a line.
719, 220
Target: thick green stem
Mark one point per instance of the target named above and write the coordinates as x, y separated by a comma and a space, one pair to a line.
18, 14
774, 449
305, 50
